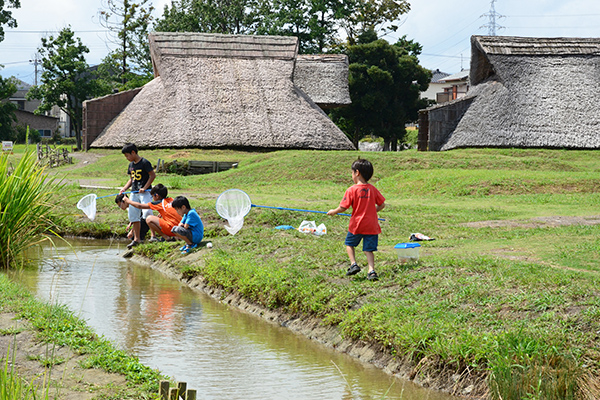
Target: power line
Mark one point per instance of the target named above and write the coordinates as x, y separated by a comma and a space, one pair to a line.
14, 62
439, 55
553, 16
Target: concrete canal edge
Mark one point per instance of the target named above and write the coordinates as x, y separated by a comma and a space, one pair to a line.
427, 373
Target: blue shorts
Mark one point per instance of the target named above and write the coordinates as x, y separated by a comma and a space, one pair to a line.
369, 241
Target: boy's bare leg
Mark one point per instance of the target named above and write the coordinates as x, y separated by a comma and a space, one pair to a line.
351, 254
154, 224
370, 260
136, 231
184, 238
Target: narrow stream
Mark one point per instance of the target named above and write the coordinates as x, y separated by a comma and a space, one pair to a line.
219, 351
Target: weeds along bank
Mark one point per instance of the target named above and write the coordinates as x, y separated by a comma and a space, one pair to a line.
503, 304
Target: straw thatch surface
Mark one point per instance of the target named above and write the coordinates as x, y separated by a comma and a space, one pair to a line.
201, 102
536, 96
324, 78
226, 95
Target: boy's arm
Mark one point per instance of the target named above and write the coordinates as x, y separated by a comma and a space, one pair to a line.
151, 177
127, 186
136, 204
336, 210
380, 207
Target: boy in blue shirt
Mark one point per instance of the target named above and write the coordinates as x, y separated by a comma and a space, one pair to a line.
190, 229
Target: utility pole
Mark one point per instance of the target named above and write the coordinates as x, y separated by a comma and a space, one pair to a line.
492, 16
36, 61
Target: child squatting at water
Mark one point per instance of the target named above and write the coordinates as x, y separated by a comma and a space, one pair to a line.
169, 217
190, 229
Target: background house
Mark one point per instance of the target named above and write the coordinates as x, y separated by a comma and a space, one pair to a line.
436, 85
45, 124
525, 92
453, 87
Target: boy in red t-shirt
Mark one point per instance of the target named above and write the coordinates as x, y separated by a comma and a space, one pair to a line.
366, 201
161, 203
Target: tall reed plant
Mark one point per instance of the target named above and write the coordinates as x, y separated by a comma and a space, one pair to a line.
14, 387
26, 205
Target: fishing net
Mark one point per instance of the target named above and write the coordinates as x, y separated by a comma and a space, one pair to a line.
233, 205
87, 204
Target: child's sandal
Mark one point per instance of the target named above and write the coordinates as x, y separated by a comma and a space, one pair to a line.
372, 276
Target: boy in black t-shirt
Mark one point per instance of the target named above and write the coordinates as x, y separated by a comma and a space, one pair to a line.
141, 176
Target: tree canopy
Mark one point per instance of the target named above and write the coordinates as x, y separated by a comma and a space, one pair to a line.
66, 79
8, 87
385, 81
6, 17
129, 65
316, 23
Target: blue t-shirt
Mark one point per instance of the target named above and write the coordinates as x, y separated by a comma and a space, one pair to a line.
196, 226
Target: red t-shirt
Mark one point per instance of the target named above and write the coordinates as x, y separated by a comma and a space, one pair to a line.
167, 212
363, 199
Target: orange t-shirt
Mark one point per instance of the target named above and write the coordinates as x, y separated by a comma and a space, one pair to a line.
167, 212
363, 199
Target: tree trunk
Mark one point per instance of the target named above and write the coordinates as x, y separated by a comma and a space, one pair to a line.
386, 144
356, 138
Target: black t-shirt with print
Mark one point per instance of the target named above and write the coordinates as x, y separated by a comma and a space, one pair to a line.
139, 173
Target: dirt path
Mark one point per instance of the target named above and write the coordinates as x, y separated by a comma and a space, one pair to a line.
538, 222
66, 380
84, 159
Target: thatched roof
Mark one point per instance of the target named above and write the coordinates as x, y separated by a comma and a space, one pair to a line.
324, 78
530, 92
214, 90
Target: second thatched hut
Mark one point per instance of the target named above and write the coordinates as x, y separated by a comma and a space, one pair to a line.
525, 92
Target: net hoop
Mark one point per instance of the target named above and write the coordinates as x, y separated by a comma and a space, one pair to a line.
233, 205
87, 204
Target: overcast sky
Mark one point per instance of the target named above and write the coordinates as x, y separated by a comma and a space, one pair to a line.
443, 27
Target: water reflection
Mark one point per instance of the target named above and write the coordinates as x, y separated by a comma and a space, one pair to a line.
221, 352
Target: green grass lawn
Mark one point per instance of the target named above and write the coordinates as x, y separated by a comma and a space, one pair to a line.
502, 293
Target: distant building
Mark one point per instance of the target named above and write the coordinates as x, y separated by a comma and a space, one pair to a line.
435, 86
45, 124
453, 87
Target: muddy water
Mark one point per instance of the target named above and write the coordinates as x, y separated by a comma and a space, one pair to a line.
221, 352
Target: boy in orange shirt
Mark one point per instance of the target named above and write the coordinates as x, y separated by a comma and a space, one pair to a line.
161, 203
366, 201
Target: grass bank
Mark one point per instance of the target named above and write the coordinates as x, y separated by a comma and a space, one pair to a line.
506, 295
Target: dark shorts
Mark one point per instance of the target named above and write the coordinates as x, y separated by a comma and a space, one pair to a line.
180, 230
369, 241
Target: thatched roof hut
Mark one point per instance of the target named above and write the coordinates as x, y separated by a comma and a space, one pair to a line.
525, 92
233, 91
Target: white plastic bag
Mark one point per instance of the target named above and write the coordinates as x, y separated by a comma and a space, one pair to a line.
321, 230
311, 227
307, 227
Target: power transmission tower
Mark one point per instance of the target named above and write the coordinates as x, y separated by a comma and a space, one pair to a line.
36, 61
492, 25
